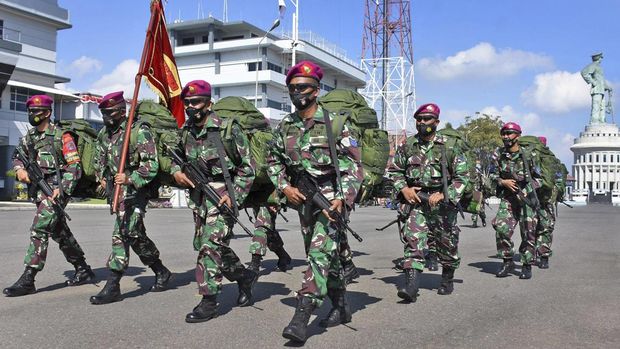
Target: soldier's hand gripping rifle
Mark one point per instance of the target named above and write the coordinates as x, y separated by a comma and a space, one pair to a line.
37, 180
308, 187
201, 181
531, 199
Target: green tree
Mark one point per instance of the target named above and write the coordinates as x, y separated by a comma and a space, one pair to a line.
482, 134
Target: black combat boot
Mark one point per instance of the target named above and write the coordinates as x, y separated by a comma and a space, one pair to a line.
204, 311
526, 272
483, 219
284, 260
350, 271
24, 285
162, 276
246, 283
340, 312
111, 292
255, 263
409, 292
506, 268
544, 263
447, 281
431, 262
296, 329
83, 274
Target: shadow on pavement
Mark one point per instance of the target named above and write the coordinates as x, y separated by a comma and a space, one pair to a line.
101, 274
357, 300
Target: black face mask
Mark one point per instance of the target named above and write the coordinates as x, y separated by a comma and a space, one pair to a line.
426, 130
195, 115
508, 143
112, 118
36, 117
302, 101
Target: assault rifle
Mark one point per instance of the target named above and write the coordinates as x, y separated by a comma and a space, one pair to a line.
196, 175
37, 180
531, 199
308, 187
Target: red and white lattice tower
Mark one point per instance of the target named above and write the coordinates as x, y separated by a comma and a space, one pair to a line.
387, 59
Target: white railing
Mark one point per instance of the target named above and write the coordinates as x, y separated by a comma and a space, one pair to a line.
323, 44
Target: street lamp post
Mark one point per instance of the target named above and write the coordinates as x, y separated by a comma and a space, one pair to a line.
275, 24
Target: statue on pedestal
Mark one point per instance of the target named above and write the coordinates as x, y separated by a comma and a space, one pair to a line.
593, 75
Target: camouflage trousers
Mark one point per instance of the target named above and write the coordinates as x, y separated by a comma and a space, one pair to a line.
474, 217
509, 214
47, 223
265, 233
544, 231
438, 225
215, 258
129, 231
324, 266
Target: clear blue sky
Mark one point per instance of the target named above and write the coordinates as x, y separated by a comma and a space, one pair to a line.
515, 58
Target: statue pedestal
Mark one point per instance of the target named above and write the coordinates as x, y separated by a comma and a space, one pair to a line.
596, 166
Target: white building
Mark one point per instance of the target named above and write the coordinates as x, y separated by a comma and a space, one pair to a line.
596, 165
227, 55
28, 31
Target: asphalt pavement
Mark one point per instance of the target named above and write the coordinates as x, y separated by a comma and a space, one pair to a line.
575, 303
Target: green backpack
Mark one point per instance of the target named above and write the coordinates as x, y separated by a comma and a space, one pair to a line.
163, 127
85, 137
256, 127
471, 198
374, 142
547, 162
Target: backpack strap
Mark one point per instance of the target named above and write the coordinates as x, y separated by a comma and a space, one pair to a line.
332, 152
215, 137
57, 132
444, 172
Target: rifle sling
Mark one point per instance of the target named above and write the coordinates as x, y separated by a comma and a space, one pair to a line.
214, 136
332, 152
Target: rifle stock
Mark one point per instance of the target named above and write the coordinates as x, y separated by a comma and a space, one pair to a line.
38, 181
195, 174
310, 189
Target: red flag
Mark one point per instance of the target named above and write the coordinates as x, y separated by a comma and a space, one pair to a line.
160, 68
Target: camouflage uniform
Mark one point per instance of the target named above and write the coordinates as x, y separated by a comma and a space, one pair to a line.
52, 149
512, 208
544, 230
420, 165
214, 230
479, 185
142, 166
264, 225
302, 145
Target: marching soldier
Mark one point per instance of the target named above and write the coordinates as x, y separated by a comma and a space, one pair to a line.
479, 185
56, 154
302, 148
420, 176
546, 225
515, 173
266, 236
141, 169
202, 145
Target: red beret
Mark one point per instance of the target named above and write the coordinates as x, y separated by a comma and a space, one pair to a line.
513, 126
196, 88
111, 100
428, 109
543, 140
39, 101
305, 68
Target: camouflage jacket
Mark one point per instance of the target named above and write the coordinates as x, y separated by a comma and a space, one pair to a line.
53, 148
202, 151
419, 164
506, 165
302, 145
141, 165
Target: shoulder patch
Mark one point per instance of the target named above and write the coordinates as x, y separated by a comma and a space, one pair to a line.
69, 150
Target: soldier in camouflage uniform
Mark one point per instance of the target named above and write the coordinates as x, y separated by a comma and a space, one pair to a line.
420, 171
266, 236
57, 156
141, 169
516, 189
546, 221
301, 144
202, 145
